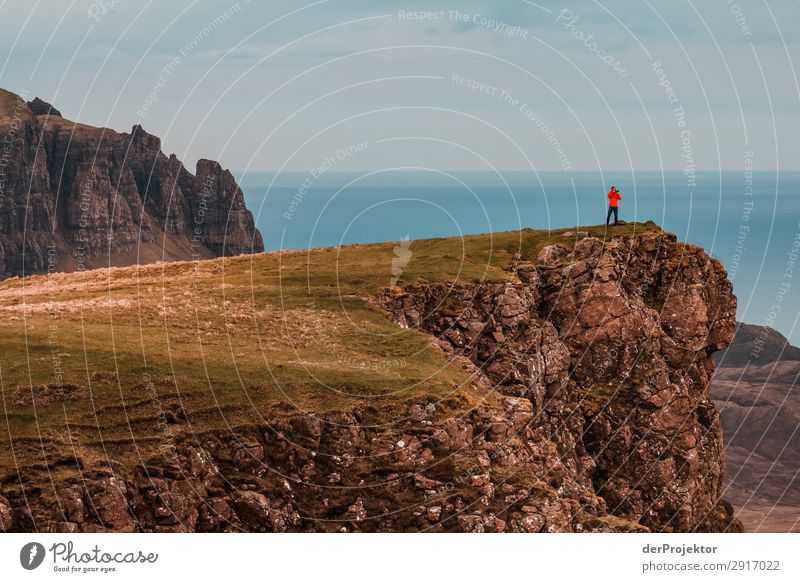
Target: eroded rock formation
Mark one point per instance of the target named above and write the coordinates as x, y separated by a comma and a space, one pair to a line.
588, 411
74, 196
612, 345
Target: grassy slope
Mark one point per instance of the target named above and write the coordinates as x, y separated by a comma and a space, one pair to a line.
230, 341
12, 106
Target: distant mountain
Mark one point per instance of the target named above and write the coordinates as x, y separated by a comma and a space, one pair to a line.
73, 196
755, 389
757, 344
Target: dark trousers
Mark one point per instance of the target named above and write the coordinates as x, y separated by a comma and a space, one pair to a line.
615, 211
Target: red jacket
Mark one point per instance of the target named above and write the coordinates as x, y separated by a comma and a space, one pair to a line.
613, 197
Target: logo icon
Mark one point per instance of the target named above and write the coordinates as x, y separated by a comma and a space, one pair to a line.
31, 555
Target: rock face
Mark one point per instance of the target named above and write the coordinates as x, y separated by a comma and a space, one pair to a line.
589, 411
755, 389
611, 346
39, 107
74, 196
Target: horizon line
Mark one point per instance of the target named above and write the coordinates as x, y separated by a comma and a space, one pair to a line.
519, 171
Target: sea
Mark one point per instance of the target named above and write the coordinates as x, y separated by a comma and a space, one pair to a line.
750, 221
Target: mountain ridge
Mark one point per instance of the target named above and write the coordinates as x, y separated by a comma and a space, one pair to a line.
76, 197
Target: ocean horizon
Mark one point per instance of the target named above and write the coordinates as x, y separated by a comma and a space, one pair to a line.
749, 221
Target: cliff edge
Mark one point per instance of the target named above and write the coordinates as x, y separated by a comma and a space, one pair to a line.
520, 382
611, 343
74, 197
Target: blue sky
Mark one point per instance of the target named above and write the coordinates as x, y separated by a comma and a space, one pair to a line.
271, 85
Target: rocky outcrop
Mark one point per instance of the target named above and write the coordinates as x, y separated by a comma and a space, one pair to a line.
74, 196
587, 410
39, 107
485, 471
611, 344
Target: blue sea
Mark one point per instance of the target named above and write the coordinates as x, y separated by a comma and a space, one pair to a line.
749, 222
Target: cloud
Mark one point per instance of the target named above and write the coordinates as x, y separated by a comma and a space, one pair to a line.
220, 58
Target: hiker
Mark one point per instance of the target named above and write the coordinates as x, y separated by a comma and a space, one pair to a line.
613, 204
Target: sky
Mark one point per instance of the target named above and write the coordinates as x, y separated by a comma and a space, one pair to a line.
673, 85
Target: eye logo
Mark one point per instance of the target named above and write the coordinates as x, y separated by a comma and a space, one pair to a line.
31, 555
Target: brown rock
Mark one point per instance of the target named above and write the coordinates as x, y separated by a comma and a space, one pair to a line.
216, 515
649, 447
551, 254
119, 199
6, 515
253, 510
106, 500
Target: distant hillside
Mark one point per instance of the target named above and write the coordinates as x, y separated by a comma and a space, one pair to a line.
756, 389
757, 344
74, 196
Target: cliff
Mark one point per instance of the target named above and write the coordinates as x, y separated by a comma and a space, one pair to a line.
519, 382
611, 343
74, 197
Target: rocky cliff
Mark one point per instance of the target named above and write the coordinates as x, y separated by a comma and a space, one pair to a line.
584, 407
74, 197
612, 345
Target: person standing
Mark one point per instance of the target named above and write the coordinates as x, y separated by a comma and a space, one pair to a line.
613, 204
